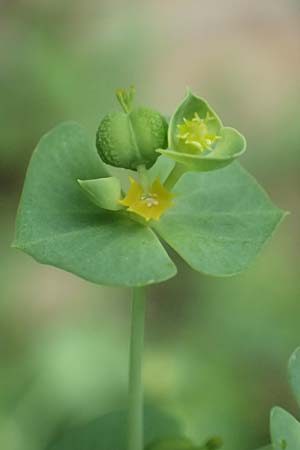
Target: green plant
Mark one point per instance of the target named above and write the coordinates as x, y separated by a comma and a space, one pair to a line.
74, 215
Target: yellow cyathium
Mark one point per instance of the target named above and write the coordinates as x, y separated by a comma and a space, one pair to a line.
150, 205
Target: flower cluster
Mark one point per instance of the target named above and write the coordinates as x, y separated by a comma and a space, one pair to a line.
107, 218
149, 205
134, 139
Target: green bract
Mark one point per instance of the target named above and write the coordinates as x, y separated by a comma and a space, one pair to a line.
197, 138
104, 192
129, 139
219, 222
57, 224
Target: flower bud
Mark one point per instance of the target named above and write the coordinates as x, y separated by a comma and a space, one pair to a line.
129, 139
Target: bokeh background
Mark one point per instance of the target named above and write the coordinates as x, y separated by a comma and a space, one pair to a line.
216, 349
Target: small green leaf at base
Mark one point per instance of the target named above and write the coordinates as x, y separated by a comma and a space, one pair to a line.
285, 430
294, 373
103, 192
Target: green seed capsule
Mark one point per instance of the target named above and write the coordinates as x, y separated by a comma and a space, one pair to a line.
129, 139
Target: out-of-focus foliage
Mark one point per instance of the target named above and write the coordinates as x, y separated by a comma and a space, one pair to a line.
109, 432
216, 349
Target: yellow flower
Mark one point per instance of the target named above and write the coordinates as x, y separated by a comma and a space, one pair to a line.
150, 205
196, 132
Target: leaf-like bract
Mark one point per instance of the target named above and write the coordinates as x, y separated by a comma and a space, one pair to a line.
58, 225
220, 222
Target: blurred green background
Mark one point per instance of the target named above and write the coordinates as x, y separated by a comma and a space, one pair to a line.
216, 349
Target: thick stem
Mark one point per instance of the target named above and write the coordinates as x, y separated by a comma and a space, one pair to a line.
174, 176
135, 406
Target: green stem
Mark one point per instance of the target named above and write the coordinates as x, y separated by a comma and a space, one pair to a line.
144, 178
135, 407
174, 176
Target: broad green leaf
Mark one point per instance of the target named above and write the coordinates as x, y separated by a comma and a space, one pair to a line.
58, 225
226, 143
220, 220
285, 430
231, 145
103, 192
110, 432
294, 373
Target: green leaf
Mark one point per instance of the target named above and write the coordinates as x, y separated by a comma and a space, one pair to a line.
229, 145
294, 373
110, 433
285, 430
58, 225
103, 192
220, 220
